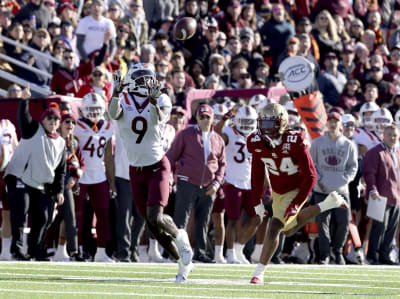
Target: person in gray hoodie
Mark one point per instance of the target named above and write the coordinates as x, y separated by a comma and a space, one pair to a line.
335, 159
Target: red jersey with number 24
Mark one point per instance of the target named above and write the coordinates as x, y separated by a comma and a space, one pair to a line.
289, 165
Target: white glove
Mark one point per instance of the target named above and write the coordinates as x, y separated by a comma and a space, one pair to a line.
118, 82
154, 87
260, 210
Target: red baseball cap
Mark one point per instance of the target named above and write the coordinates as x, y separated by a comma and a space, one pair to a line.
334, 115
205, 109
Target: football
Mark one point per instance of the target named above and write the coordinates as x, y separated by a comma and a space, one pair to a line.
185, 28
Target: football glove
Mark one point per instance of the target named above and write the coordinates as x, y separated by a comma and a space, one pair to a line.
154, 87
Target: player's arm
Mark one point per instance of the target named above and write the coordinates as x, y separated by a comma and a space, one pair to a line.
114, 108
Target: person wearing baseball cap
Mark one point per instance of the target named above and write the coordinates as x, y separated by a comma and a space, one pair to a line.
335, 159
199, 155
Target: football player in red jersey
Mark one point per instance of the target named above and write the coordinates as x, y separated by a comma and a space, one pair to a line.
292, 175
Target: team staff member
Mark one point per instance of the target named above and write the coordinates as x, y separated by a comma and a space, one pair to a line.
39, 161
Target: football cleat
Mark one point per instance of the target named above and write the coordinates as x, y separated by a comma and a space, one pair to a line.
332, 201
102, 257
6, 256
257, 280
241, 258
184, 247
220, 260
183, 272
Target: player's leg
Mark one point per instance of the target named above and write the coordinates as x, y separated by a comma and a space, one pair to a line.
249, 229
5, 225
233, 211
260, 236
217, 216
100, 199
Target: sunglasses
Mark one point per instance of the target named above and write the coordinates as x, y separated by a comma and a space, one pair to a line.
203, 117
348, 125
68, 57
70, 121
113, 9
123, 31
52, 118
244, 76
15, 90
134, 5
97, 75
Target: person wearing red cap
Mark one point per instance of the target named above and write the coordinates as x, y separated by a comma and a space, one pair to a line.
39, 163
199, 155
336, 161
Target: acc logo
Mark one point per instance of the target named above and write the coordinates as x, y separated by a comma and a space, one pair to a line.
255, 138
297, 73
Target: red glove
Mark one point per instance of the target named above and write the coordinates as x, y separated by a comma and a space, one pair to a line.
291, 210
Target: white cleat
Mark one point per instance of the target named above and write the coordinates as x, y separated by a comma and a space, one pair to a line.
242, 259
59, 257
232, 260
103, 258
156, 257
183, 272
220, 260
184, 248
332, 201
6, 256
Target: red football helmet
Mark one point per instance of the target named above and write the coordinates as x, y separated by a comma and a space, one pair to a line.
272, 122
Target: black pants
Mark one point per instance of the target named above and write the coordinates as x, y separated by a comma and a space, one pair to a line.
41, 209
67, 210
18, 201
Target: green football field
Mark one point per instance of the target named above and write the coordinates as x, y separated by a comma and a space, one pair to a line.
138, 280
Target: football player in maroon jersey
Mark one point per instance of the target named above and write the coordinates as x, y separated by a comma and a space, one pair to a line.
292, 175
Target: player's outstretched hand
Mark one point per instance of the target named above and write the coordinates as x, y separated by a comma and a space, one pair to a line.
154, 87
291, 210
118, 82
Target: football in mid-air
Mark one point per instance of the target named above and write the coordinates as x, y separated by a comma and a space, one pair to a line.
185, 28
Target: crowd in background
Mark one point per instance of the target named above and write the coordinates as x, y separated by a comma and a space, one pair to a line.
354, 47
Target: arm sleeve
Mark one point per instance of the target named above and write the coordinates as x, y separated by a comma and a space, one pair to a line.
371, 166
308, 173
27, 125
114, 108
99, 59
80, 39
113, 48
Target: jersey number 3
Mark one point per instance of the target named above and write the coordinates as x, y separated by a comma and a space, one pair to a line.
139, 126
287, 166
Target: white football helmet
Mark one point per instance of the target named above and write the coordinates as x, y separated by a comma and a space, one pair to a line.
138, 77
294, 116
219, 112
246, 120
93, 107
366, 112
257, 99
397, 118
380, 119
229, 104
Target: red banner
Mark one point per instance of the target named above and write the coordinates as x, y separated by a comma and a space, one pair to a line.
312, 112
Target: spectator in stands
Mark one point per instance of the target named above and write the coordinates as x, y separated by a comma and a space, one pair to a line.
157, 11
177, 119
15, 32
197, 148
393, 65
335, 159
197, 72
351, 95
356, 30
36, 13
238, 66
386, 89
51, 6
325, 33
342, 8
346, 64
67, 13
68, 79
14, 91
40, 163
331, 82
40, 42
304, 26
68, 36
147, 54
219, 69
262, 72
178, 63
341, 29
54, 30
115, 13
374, 21
234, 45
381, 174
97, 84
276, 32
136, 20
249, 16
178, 83
90, 32
232, 21
292, 48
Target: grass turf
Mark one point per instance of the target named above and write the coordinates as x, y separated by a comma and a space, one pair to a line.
136, 280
